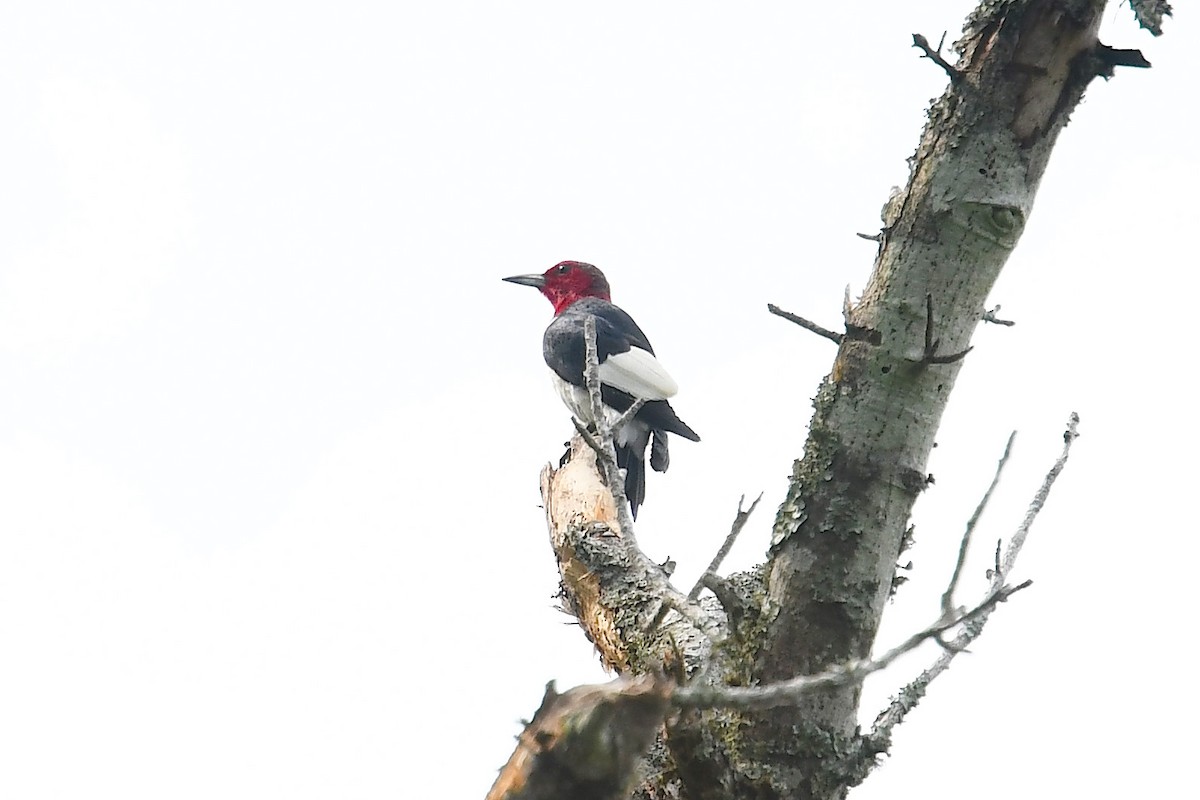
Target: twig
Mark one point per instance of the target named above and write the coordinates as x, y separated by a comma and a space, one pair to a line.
1039, 500
1110, 57
803, 323
739, 522
871, 237
672, 598
989, 315
930, 355
588, 439
591, 380
608, 463
948, 595
628, 414
789, 691
930, 343
878, 740
935, 56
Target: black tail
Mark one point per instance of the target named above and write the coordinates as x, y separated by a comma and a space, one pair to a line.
660, 456
649, 428
656, 414
630, 459
659, 415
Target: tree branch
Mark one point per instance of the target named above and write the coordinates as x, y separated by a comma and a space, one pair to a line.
879, 739
989, 315
930, 353
584, 744
790, 692
948, 595
604, 431
803, 323
739, 522
935, 56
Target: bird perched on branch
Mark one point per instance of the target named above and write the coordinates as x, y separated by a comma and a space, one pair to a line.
627, 367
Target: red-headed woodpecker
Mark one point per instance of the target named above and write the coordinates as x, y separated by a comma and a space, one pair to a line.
628, 369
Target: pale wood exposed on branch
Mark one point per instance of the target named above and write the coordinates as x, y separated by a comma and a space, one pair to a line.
609, 584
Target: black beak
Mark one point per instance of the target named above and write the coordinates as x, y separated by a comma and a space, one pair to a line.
537, 281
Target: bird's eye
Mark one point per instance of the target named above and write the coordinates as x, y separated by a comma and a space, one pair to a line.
562, 269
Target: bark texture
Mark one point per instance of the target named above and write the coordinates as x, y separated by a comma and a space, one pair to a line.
1022, 68
584, 744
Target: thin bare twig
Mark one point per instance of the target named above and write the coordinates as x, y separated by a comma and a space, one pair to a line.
608, 463
588, 439
789, 691
739, 522
989, 315
964, 546
930, 356
1110, 57
930, 343
628, 414
803, 323
879, 738
935, 56
672, 598
1039, 500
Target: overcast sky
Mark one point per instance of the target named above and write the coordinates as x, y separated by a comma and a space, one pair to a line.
271, 425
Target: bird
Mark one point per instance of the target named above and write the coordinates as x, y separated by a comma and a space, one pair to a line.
628, 369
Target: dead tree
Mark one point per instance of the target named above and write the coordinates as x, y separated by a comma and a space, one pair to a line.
752, 690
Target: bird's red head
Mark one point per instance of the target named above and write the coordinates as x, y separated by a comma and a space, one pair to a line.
566, 282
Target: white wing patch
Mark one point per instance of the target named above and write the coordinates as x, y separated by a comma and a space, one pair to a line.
637, 372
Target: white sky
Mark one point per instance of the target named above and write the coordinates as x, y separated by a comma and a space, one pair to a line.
270, 424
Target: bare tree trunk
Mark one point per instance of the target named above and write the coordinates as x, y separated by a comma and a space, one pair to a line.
1023, 66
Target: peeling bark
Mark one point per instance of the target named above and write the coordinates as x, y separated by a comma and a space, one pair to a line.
608, 584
